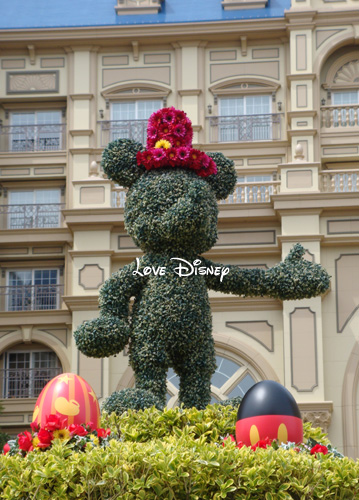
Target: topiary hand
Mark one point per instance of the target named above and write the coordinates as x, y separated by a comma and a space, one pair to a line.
103, 336
296, 278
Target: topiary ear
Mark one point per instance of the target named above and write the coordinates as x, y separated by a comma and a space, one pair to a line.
119, 161
224, 181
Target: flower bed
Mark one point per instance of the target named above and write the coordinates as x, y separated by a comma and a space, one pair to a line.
179, 454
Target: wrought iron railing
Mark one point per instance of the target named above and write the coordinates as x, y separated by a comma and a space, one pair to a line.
339, 181
245, 192
44, 215
25, 382
30, 297
244, 128
26, 138
123, 129
344, 116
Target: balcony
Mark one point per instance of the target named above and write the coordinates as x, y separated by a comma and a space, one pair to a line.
245, 192
123, 129
29, 138
244, 128
30, 297
340, 118
47, 215
339, 181
25, 382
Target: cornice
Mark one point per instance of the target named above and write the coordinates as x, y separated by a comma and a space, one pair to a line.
91, 253
301, 76
180, 32
82, 97
81, 302
48, 317
80, 133
301, 114
306, 131
190, 92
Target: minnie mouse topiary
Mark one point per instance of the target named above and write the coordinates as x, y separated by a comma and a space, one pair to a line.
171, 213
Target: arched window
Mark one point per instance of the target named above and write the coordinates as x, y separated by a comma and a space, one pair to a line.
233, 377
25, 371
245, 111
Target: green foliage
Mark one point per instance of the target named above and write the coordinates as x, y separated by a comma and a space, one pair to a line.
119, 161
130, 399
176, 454
4, 438
224, 182
172, 213
234, 402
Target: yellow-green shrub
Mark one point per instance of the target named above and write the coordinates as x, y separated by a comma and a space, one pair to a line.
177, 454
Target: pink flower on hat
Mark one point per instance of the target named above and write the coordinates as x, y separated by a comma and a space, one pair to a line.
169, 144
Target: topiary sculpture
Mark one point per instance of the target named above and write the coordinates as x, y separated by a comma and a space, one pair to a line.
171, 213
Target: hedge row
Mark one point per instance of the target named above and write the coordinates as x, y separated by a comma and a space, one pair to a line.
177, 454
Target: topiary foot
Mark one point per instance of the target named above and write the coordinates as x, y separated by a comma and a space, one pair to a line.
102, 337
130, 399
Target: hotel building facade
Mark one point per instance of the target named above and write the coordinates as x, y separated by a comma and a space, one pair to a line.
272, 85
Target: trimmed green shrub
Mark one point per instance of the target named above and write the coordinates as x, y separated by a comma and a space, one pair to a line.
171, 213
130, 399
177, 454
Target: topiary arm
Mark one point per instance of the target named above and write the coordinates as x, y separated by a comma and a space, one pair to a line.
109, 333
292, 279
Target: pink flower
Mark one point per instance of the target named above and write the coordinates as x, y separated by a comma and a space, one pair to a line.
158, 156
25, 441
179, 130
183, 154
6, 448
319, 448
169, 115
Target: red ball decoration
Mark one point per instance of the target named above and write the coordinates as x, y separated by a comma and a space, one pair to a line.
70, 397
268, 410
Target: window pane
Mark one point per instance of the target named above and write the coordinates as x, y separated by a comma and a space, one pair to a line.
123, 110
246, 383
22, 118
345, 97
231, 106
45, 289
257, 105
47, 196
48, 117
146, 108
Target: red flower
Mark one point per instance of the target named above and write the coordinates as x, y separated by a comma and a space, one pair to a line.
34, 426
91, 426
103, 433
171, 154
319, 448
54, 423
195, 159
45, 437
25, 441
179, 130
262, 443
169, 115
77, 430
6, 448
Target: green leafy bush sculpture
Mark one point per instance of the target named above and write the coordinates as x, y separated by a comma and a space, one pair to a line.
171, 213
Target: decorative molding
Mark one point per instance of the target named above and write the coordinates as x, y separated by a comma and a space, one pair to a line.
319, 414
261, 331
32, 82
32, 54
344, 72
135, 50
303, 349
247, 70
91, 276
323, 35
246, 86
347, 288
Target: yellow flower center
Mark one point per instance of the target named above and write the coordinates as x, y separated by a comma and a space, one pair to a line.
62, 434
163, 144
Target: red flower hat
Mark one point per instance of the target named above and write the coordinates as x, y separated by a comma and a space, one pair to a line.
169, 144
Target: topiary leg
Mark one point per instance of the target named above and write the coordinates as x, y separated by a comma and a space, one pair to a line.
149, 362
195, 372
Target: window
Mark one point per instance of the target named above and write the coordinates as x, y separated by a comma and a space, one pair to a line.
34, 289
232, 378
129, 118
36, 131
345, 117
26, 373
245, 118
38, 208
